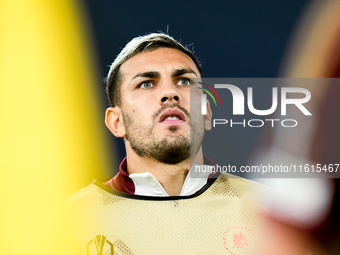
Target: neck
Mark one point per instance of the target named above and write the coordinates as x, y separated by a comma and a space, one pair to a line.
171, 177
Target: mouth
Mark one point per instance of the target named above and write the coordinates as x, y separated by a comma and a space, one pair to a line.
172, 117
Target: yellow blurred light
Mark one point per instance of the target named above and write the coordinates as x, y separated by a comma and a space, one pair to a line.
51, 135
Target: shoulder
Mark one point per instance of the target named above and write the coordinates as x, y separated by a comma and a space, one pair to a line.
86, 191
241, 187
89, 195
84, 197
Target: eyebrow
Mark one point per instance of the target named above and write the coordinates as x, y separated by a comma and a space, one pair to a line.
179, 72
154, 74
151, 74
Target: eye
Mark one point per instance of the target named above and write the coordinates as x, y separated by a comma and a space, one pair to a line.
184, 82
146, 85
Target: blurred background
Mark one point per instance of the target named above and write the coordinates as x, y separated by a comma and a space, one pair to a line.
55, 54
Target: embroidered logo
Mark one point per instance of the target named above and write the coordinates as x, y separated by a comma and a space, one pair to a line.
99, 245
239, 240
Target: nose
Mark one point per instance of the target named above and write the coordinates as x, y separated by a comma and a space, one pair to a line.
170, 95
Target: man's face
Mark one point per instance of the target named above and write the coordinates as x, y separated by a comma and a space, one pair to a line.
155, 105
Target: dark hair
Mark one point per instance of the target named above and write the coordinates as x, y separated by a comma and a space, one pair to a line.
135, 46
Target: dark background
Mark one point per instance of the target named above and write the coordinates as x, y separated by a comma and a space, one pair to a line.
234, 38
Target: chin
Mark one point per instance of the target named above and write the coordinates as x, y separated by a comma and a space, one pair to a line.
173, 129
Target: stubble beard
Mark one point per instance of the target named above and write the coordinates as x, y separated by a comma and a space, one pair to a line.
169, 150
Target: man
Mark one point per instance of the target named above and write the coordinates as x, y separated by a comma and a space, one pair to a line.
149, 92
155, 205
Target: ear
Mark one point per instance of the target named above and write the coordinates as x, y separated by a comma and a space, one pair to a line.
208, 116
114, 121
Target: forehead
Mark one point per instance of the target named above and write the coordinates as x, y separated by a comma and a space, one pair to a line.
159, 60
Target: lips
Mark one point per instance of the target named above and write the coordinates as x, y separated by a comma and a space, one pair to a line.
172, 116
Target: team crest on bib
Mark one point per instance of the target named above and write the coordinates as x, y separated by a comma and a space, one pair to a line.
100, 245
239, 241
